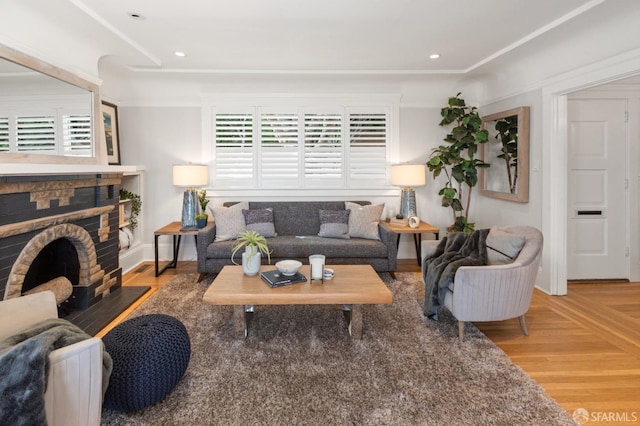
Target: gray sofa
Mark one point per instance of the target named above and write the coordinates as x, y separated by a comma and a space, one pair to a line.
295, 219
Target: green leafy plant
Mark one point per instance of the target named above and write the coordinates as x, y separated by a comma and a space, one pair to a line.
203, 201
255, 241
507, 129
457, 159
136, 206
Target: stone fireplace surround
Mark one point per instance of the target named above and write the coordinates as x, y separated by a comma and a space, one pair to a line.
82, 208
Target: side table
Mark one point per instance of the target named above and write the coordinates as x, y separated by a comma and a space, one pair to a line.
423, 228
173, 229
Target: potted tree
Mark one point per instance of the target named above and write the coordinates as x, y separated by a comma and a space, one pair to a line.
254, 245
201, 219
457, 159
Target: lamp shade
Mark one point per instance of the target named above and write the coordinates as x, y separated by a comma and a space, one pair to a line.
190, 175
408, 175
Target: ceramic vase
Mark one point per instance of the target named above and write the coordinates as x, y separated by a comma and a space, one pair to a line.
251, 264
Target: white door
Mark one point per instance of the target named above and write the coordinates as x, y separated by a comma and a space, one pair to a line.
597, 196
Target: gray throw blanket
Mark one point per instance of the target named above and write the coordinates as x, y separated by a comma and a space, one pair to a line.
24, 367
455, 250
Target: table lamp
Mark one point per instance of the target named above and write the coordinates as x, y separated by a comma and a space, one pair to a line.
189, 176
408, 175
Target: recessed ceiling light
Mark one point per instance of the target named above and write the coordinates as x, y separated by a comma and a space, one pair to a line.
136, 15
180, 54
434, 56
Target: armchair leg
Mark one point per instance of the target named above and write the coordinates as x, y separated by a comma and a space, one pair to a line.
461, 330
523, 325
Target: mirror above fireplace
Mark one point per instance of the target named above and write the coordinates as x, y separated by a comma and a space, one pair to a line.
47, 114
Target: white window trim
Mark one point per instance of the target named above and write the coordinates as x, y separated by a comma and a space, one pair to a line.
275, 101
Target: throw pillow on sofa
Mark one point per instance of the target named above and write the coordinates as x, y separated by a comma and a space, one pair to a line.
363, 220
261, 221
229, 221
503, 247
334, 224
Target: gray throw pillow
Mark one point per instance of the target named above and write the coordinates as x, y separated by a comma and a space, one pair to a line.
261, 221
363, 220
229, 221
334, 224
503, 247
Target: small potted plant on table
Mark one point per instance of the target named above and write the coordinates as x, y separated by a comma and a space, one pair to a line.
254, 245
201, 219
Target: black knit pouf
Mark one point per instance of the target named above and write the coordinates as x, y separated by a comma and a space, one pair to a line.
150, 355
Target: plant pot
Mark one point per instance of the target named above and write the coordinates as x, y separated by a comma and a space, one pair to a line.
251, 263
201, 222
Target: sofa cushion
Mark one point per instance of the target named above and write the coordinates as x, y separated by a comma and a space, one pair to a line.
363, 220
291, 247
229, 221
502, 246
261, 221
334, 224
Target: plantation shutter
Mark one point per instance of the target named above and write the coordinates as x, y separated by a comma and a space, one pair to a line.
4, 134
234, 149
279, 152
323, 150
368, 135
36, 133
76, 135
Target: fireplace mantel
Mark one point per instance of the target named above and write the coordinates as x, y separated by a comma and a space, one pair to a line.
32, 169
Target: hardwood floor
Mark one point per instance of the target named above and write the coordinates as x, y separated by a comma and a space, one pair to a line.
584, 348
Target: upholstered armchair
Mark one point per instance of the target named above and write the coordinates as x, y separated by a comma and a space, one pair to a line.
74, 389
494, 292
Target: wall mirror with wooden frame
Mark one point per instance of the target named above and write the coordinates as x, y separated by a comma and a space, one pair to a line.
47, 115
507, 152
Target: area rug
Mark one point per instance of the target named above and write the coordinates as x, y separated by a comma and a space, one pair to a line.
299, 366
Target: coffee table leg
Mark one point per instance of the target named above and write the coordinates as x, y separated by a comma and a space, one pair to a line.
240, 325
353, 314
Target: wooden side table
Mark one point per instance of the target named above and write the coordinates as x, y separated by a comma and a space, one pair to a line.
423, 228
174, 230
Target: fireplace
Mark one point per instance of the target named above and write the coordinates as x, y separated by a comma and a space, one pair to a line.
60, 226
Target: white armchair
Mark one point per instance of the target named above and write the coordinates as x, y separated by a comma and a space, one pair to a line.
74, 389
494, 292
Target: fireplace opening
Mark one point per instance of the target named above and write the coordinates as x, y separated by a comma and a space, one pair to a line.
59, 258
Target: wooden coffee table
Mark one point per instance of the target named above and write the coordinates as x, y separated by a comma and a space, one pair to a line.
351, 287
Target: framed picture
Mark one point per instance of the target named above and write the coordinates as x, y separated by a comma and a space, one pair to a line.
110, 116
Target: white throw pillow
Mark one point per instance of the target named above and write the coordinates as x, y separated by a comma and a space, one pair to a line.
363, 220
229, 221
503, 247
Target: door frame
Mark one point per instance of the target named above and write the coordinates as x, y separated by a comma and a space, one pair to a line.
554, 155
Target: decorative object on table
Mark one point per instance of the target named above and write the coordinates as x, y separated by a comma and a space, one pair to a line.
399, 221
189, 176
288, 267
136, 206
277, 279
150, 355
202, 217
414, 221
458, 160
328, 273
254, 246
408, 175
110, 118
316, 261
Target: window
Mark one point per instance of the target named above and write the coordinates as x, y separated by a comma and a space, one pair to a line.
276, 146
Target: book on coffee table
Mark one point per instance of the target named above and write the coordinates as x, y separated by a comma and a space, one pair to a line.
278, 279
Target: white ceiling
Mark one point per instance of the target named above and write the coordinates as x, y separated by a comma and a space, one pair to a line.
375, 36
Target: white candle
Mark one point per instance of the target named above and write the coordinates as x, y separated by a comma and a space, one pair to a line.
317, 266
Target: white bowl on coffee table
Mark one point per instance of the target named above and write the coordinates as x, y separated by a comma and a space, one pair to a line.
288, 267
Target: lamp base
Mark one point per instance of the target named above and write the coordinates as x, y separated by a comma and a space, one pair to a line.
189, 210
408, 203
